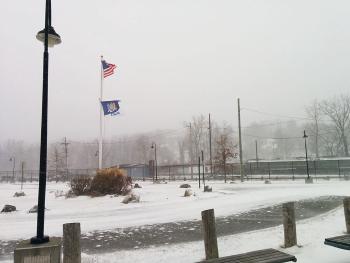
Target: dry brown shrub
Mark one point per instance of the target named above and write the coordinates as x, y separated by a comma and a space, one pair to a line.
110, 181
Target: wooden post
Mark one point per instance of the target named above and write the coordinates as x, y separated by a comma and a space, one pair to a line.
346, 203
290, 233
209, 232
71, 243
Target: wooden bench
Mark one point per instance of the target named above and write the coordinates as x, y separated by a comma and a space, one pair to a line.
342, 242
259, 256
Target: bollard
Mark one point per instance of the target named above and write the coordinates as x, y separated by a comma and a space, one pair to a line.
71, 243
290, 233
209, 231
346, 203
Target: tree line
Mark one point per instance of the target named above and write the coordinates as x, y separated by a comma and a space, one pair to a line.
326, 124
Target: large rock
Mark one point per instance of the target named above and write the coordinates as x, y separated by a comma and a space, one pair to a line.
185, 186
34, 209
131, 198
18, 194
207, 188
8, 209
309, 180
188, 193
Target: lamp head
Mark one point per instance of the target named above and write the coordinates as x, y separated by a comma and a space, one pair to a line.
53, 37
305, 136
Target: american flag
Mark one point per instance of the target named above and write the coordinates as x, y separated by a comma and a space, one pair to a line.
108, 69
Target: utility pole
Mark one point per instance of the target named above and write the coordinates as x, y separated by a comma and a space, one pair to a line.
210, 154
203, 167
191, 151
154, 146
65, 143
13, 160
240, 142
256, 154
199, 172
22, 166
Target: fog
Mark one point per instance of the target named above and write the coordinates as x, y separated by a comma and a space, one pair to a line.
175, 60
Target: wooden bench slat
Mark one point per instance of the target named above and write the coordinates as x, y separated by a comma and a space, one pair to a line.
259, 256
342, 242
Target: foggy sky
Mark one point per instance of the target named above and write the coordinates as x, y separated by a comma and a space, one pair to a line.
175, 59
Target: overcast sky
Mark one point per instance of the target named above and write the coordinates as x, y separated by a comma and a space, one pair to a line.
175, 59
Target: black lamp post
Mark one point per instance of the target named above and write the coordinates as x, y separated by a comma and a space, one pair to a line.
307, 162
50, 38
154, 146
13, 159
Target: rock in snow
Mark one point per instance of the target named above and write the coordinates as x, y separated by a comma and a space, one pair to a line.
134, 198
18, 194
188, 193
207, 188
8, 209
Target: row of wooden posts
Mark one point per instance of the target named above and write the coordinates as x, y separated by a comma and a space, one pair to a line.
289, 226
72, 247
209, 230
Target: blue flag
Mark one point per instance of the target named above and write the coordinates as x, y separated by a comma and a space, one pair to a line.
110, 107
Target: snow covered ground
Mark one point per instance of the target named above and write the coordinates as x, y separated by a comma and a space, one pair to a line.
161, 203
311, 234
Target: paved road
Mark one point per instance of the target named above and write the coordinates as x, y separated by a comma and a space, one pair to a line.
178, 232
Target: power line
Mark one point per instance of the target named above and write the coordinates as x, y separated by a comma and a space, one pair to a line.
272, 138
133, 139
253, 126
276, 115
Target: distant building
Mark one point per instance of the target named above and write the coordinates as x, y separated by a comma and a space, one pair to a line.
137, 171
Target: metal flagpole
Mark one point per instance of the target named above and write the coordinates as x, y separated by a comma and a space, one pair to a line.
101, 120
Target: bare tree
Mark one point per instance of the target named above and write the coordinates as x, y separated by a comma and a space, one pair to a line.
56, 164
338, 111
224, 150
181, 146
315, 114
142, 149
199, 131
330, 141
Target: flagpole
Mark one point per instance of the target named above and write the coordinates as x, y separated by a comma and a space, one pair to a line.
101, 120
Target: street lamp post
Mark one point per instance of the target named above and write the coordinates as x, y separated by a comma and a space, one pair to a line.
50, 38
154, 146
13, 160
307, 162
